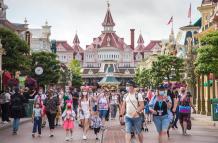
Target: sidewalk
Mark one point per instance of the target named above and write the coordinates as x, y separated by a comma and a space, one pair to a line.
207, 120
8, 125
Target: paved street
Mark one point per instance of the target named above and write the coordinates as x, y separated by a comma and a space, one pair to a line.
201, 133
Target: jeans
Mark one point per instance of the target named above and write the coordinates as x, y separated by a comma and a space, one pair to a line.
51, 119
16, 123
37, 124
75, 107
162, 123
5, 111
133, 125
103, 114
113, 110
177, 116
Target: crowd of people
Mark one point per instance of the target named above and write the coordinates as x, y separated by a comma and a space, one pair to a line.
136, 107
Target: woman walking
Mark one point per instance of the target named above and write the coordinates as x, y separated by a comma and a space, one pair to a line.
103, 107
17, 109
51, 106
84, 109
113, 105
185, 105
159, 106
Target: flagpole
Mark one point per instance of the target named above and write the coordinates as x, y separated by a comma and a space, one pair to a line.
172, 25
190, 14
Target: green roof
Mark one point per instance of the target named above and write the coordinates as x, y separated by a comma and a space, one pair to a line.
198, 22
109, 80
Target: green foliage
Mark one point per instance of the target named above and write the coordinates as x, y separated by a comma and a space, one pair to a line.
75, 70
164, 68
17, 51
64, 75
207, 55
50, 65
168, 68
143, 78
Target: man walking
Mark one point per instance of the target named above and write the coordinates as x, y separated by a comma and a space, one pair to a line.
133, 105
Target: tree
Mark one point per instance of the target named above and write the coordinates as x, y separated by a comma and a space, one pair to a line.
75, 69
207, 57
168, 68
143, 77
17, 57
64, 75
51, 68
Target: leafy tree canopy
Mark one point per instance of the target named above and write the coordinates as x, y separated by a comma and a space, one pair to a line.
207, 57
75, 69
50, 65
16, 57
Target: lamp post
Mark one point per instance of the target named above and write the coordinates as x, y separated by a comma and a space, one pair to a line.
2, 51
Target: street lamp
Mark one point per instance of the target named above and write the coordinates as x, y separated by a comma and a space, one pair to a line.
2, 51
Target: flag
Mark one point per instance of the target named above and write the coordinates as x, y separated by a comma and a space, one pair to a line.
170, 21
190, 11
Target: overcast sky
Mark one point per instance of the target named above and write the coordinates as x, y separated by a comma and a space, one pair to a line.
86, 16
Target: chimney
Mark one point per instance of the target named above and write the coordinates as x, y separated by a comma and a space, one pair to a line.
132, 38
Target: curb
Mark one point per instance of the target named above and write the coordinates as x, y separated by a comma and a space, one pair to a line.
208, 122
10, 125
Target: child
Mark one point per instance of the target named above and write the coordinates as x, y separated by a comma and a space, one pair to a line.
37, 119
97, 123
146, 110
68, 119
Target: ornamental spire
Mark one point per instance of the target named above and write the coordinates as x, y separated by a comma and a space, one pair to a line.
108, 20
140, 40
76, 40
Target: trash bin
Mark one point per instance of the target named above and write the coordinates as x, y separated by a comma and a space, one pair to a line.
214, 109
29, 108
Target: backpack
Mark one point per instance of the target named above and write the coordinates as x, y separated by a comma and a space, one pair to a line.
3, 98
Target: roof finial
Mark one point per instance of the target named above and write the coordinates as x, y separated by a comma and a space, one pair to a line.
46, 22
25, 20
108, 4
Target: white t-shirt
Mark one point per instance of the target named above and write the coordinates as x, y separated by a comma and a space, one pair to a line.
130, 100
8, 97
114, 99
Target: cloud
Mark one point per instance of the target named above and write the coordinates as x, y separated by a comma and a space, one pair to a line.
86, 16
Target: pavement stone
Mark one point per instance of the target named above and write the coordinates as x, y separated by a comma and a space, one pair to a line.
114, 133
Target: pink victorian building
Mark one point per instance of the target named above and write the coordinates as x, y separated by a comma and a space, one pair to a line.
109, 52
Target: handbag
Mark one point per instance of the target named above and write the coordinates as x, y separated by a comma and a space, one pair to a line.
184, 109
189, 124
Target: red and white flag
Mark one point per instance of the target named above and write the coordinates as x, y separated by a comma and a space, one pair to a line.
190, 11
170, 21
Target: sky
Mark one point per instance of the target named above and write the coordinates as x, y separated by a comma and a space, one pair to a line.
148, 17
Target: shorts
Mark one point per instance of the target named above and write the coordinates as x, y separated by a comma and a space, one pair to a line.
162, 123
103, 113
85, 115
133, 125
94, 108
96, 130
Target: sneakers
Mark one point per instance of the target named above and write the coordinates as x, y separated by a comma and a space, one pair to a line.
33, 135
67, 139
51, 135
5, 122
71, 137
14, 133
84, 137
